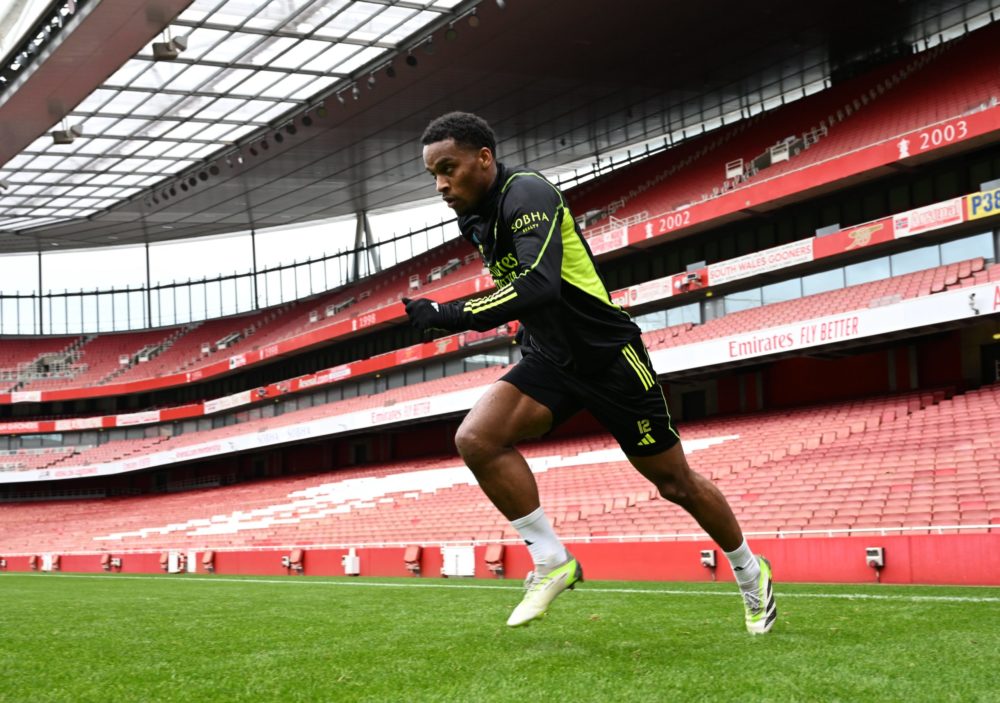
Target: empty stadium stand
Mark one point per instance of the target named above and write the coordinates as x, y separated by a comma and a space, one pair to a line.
949, 81
922, 461
881, 292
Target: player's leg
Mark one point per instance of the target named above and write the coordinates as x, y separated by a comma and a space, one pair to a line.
630, 403
500, 419
677, 482
526, 403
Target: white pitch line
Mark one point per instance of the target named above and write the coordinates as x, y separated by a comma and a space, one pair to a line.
485, 587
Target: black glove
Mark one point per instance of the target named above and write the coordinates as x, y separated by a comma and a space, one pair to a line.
426, 314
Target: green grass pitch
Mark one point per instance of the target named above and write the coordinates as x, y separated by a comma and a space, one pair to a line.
120, 637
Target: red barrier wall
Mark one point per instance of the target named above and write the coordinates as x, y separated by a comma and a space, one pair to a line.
954, 559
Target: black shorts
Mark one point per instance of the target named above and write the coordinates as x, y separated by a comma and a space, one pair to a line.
625, 398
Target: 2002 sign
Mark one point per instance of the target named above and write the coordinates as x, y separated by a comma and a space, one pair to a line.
669, 223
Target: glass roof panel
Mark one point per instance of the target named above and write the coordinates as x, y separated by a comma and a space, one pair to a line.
202, 40
268, 49
79, 144
287, 85
103, 179
221, 108
410, 26
126, 73
192, 104
212, 132
334, 56
260, 81
382, 23
156, 75
274, 15
354, 16
155, 128
312, 88
125, 101
238, 132
205, 150
272, 112
153, 119
154, 149
193, 78
158, 104
179, 151
233, 48
250, 110
100, 146
235, 12
125, 127
95, 100
17, 162
299, 55
358, 60
200, 9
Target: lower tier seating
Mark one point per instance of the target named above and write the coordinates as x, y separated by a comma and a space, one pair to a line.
921, 462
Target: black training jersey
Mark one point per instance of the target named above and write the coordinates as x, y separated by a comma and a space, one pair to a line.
544, 273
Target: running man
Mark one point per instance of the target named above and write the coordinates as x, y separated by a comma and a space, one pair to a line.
580, 350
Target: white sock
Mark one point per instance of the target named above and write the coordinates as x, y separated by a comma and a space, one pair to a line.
746, 569
536, 531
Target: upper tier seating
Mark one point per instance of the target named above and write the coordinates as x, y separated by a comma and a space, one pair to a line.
913, 460
433, 270
99, 358
18, 352
948, 81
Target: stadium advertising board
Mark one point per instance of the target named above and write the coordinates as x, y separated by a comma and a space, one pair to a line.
25, 396
608, 241
925, 219
658, 289
228, 402
868, 234
904, 315
772, 259
144, 418
18, 427
79, 423
982, 204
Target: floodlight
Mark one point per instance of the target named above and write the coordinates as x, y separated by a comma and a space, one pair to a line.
67, 135
170, 49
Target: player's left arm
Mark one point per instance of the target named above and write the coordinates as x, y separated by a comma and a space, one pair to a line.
532, 210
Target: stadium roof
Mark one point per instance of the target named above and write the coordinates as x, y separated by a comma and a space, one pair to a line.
284, 112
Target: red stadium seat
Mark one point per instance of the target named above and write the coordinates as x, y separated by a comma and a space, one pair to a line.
494, 559
411, 557
296, 560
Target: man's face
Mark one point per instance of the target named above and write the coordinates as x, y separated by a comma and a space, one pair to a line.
462, 174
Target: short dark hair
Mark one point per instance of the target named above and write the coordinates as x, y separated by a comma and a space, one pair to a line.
464, 127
